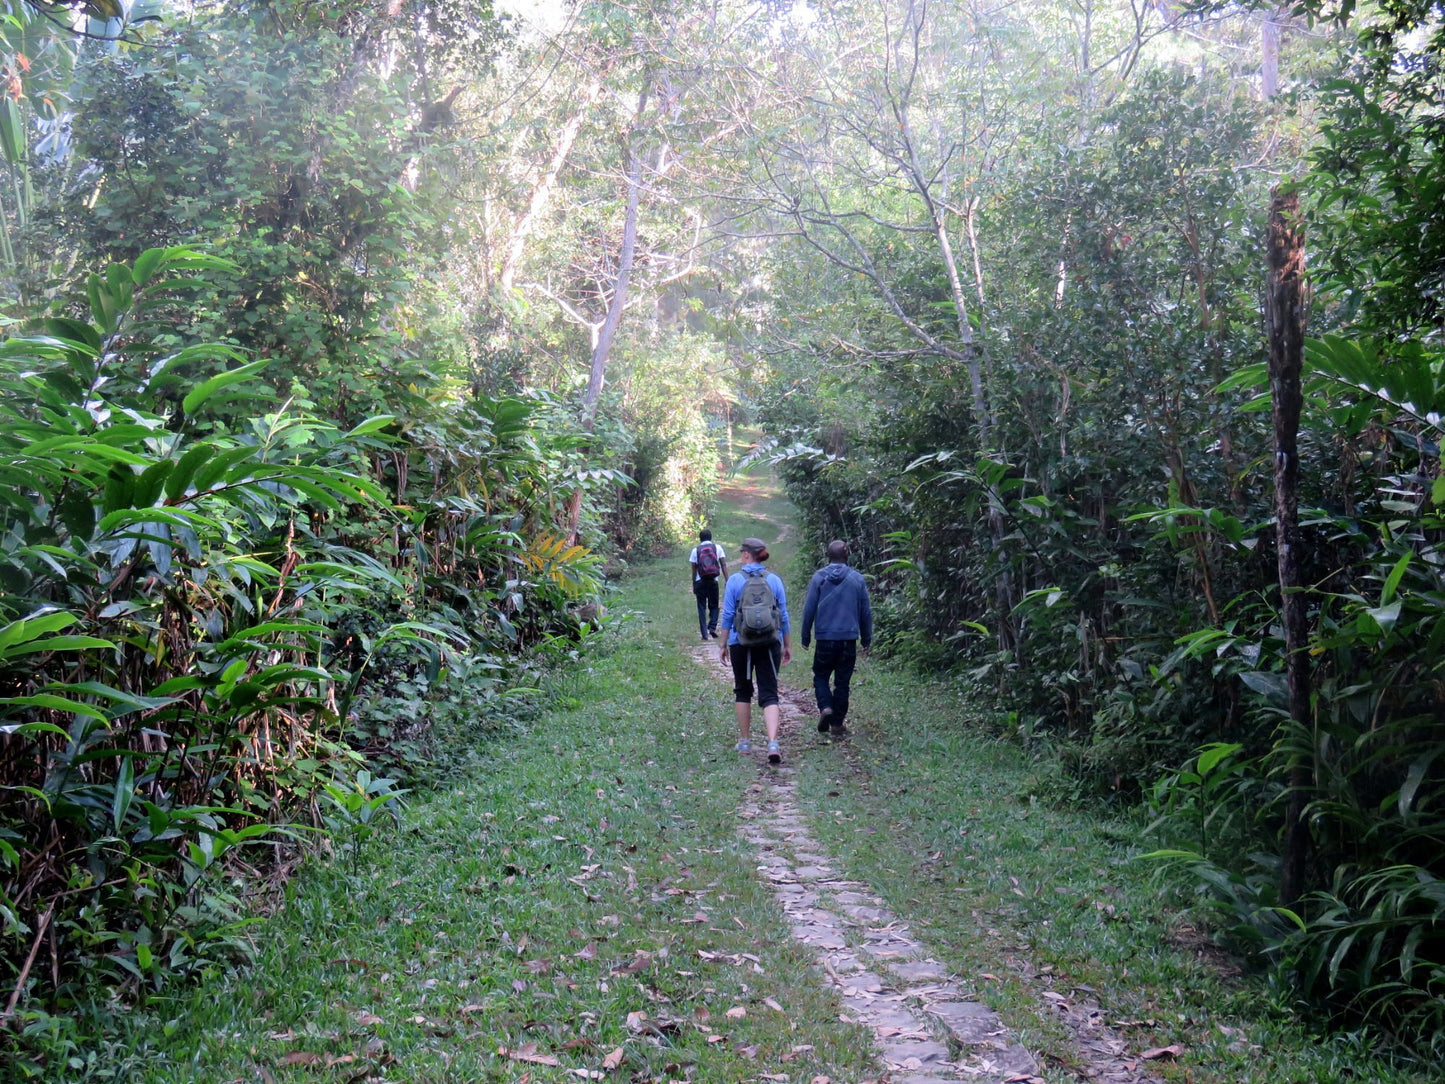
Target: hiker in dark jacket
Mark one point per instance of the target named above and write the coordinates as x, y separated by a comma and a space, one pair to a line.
837, 609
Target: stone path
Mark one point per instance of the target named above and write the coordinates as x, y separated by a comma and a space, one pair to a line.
928, 1030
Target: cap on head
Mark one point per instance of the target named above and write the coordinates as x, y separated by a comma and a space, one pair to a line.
756, 546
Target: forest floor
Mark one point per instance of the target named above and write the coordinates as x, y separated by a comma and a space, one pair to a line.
615, 894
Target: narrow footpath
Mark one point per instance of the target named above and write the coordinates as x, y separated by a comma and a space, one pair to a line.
604, 890
927, 1028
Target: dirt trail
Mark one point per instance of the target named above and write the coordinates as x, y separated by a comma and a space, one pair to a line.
926, 1027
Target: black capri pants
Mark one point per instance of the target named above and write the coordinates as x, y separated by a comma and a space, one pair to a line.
756, 664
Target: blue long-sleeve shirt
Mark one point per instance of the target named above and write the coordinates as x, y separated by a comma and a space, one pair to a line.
734, 591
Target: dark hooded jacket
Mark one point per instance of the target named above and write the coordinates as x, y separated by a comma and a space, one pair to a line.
837, 606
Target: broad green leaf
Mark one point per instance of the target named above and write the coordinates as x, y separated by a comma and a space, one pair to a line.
59, 643
12, 131
370, 425
34, 626
1211, 755
1392, 581
145, 265
1385, 616
185, 471
55, 703
192, 402
220, 463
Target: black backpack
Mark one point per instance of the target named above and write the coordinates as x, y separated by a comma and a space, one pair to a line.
759, 619
707, 563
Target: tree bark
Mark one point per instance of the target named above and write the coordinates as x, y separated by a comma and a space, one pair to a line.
1269, 56
542, 191
1284, 319
603, 342
624, 273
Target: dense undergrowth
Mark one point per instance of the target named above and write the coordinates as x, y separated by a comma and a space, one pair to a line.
1089, 537
230, 628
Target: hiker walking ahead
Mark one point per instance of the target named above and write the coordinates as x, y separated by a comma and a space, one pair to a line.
708, 562
838, 603
755, 613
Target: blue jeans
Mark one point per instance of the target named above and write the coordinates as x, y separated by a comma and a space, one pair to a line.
705, 591
834, 659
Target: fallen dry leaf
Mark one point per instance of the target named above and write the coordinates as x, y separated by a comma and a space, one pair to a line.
772, 1004
368, 1019
613, 1060
473, 1008
300, 1057
528, 1053
637, 1021
344, 1059
737, 1012
1172, 1051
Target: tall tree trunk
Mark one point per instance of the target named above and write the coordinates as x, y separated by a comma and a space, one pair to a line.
542, 190
1284, 319
603, 342
619, 290
1269, 56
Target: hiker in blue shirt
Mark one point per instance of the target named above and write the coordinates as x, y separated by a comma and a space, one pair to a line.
755, 613
838, 602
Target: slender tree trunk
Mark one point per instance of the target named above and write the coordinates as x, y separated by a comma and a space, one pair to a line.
1284, 319
1269, 56
624, 275
603, 342
542, 191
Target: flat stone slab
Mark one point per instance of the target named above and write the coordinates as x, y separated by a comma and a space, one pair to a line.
812, 873
819, 937
916, 1055
913, 971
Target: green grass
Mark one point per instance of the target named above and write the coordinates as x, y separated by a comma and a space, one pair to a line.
591, 869
955, 830
593, 872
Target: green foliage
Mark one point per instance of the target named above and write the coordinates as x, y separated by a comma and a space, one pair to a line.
1105, 571
180, 662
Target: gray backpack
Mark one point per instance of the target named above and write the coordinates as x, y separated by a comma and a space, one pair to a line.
759, 620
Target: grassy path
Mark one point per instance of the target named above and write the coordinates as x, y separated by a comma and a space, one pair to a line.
589, 907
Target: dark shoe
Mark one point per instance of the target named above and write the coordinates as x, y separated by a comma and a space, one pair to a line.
839, 730
824, 720
712, 633
775, 755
